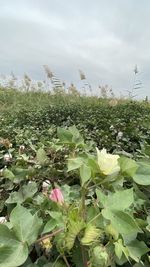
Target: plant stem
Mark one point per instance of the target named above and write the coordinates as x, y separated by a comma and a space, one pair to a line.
49, 235
65, 260
85, 263
83, 192
56, 261
83, 204
94, 218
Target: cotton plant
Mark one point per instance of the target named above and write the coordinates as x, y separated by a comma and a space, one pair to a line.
96, 223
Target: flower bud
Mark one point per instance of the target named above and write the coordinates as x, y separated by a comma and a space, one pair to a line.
57, 196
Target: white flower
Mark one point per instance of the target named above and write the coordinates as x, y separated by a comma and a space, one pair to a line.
7, 157
108, 163
3, 220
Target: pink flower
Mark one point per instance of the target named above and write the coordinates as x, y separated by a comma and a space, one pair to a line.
57, 196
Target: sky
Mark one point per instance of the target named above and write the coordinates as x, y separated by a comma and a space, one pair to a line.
104, 38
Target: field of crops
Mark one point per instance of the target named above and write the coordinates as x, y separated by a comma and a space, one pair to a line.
74, 181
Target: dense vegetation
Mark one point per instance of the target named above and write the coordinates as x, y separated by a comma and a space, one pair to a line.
64, 199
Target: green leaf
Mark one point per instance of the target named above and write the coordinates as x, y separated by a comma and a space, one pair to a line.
24, 193
137, 249
41, 156
118, 250
49, 226
22, 173
85, 174
119, 200
77, 138
59, 263
64, 135
56, 220
74, 163
123, 223
15, 197
8, 174
25, 225
128, 166
142, 175
102, 198
12, 252
92, 163
77, 256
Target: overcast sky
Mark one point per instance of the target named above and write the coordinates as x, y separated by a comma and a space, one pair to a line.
103, 38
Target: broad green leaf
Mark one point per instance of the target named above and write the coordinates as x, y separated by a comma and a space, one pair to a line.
56, 215
92, 163
8, 174
123, 223
76, 138
65, 136
137, 249
128, 166
25, 192
41, 156
142, 175
13, 252
77, 256
146, 150
74, 163
15, 197
56, 220
29, 190
85, 174
22, 173
49, 226
102, 198
119, 200
25, 225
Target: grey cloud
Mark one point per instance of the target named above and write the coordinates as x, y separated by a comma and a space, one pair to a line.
104, 38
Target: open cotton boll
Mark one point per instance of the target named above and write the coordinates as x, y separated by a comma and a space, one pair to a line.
45, 184
21, 149
3, 220
119, 135
108, 163
7, 157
